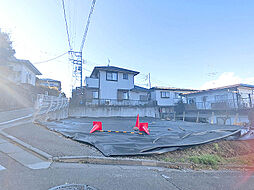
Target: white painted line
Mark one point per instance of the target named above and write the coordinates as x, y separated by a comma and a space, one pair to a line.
17, 119
2, 168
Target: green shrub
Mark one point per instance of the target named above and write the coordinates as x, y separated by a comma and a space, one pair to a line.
206, 159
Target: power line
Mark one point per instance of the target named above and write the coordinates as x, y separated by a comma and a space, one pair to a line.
87, 25
66, 26
51, 58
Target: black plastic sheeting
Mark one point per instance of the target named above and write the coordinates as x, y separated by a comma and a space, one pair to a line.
164, 136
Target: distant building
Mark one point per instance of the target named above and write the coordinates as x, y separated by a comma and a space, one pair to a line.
238, 96
167, 98
19, 71
50, 83
113, 86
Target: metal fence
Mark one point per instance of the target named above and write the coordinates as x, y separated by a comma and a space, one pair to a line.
115, 102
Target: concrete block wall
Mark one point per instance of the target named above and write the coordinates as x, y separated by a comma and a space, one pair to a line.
113, 111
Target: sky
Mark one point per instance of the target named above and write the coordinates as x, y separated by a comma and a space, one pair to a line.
182, 43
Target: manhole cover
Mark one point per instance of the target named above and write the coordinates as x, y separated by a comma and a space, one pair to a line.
73, 187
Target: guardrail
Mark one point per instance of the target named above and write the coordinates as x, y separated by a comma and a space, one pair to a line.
46, 104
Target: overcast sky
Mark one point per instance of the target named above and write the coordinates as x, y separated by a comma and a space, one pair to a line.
182, 43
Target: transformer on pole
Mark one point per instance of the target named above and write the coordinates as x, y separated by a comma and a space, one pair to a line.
77, 61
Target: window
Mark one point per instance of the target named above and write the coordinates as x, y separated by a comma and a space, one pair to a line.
191, 100
165, 94
125, 76
125, 95
221, 98
95, 94
143, 98
112, 76
177, 95
204, 98
26, 78
122, 94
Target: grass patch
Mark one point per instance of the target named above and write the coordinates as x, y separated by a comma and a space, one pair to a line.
168, 159
216, 155
216, 146
206, 159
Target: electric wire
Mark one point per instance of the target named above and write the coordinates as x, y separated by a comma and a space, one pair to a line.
51, 58
87, 25
66, 25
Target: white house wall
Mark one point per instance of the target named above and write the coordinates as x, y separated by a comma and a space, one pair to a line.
22, 75
25, 73
108, 89
92, 82
171, 101
210, 98
136, 95
153, 95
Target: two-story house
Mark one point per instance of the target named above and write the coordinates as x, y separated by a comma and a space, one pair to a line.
19, 71
113, 86
238, 96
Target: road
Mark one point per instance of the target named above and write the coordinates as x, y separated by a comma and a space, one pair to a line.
17, 176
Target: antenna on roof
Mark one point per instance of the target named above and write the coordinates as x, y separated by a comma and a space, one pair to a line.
108, 62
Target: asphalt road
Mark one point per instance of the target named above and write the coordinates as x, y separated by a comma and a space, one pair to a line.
15, 176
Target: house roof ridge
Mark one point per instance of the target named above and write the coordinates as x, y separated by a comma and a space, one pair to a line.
223, 87
113, 68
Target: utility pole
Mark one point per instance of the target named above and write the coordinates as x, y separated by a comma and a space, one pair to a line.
76, 56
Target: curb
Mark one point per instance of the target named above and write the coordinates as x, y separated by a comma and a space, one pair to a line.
239, 167
118, 161
27, 146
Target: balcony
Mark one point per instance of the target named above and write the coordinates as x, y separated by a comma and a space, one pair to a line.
242, 103
92, 82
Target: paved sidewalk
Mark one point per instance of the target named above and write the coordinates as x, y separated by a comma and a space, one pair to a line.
50, 142
25, 158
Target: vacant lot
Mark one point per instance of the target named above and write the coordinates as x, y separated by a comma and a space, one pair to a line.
211, 155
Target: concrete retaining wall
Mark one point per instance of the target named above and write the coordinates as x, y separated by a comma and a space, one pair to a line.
113, 111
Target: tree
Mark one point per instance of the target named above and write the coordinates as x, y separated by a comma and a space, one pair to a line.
6, 50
